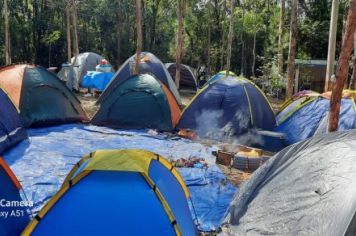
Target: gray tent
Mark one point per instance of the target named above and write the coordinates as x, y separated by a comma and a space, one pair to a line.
187, 76
307, 189
73, 75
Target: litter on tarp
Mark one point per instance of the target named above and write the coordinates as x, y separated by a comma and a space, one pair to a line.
41, 164
191, 162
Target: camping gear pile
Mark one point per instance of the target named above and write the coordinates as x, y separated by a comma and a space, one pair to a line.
242, 157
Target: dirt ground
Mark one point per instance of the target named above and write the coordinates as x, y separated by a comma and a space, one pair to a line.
234, 175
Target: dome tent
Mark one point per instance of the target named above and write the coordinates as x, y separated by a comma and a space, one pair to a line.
307, 115
138, 102
149, 64
306, 189
187, 77
85, 62
230, 106
40, 96
11, 129
11, 191
220, 75
127, 192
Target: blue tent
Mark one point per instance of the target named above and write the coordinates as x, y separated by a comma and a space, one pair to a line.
11, 130
230, 106
149, 64
220, 75
13, 218
308, 116
118, 192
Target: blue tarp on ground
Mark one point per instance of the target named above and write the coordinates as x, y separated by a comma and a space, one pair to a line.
96, 80
43, 161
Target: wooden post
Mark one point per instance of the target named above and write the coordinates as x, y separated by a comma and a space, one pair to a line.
280, 37
180, 40
229, 40
292, 49
332, 44
7, 34
69, 41
343, 68
138, 36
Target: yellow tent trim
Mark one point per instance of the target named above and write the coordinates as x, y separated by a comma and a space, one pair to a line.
299, 106
135, 160
164, 203
32, 225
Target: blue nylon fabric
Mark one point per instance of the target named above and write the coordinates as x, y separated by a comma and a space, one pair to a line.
311, 120
174, 195
11, 129
42, 163
97, 80
224, 106
11, 225
211, 194
123, 204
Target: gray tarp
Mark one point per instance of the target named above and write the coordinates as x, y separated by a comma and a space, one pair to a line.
307, 189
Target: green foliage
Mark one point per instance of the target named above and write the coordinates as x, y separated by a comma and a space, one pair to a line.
38, 32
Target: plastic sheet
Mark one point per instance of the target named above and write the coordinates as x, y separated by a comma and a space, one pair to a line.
306, 189
97, 80
42, 162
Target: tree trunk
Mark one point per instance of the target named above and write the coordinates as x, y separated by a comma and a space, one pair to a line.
343, 68
118, 55
242, 42
69, 41
138, 36
332, 44
353, 77
209, 43
155, 7
230, 36
7, 34
254, 54
280, 38
292, 49
180, 39
75, 30
222, 48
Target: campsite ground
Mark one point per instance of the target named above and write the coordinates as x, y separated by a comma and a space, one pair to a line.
234, 175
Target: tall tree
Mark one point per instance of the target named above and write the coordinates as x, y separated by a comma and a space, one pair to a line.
138, 36
69, 41
230, 36
292, 49
75, 28
280, 37
180, 39
343, 68
332, 44
353, 77
7, 34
